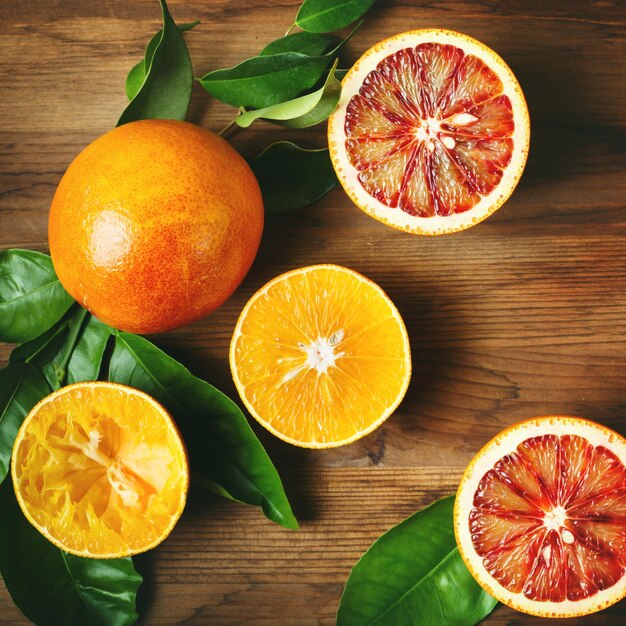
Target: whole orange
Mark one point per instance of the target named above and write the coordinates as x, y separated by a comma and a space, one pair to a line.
155, 224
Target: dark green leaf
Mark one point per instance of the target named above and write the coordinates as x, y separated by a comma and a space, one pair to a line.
311, 44
53, 588
264, 81
86, 358
267, 80
137, 75
414, 575
31, 296
222, 447
21, 387
291, 177
301, 112
166, 90
51, 352
42, 350
325, 16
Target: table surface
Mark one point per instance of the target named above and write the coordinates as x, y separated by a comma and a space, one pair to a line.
520, 316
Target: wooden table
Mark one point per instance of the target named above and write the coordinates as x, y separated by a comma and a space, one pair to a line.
522, 315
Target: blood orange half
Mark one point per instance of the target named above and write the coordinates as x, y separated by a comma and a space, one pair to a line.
431, 132
540, 517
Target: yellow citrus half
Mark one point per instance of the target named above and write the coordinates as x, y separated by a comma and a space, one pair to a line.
431, 133
320, 356
540, 517
100, 470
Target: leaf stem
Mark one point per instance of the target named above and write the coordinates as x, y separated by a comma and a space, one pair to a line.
288, 32
231, 123
72, 339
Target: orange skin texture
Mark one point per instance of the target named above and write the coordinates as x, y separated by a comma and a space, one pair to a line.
154, 225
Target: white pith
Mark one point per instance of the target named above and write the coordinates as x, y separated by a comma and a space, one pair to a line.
555, 519
320, 355
506, 443
395, 217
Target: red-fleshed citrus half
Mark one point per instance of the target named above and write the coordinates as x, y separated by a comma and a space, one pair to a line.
431, 133
540, 517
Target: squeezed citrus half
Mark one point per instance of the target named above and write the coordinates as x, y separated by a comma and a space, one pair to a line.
100, 470
540, 517
320, 356
431, 132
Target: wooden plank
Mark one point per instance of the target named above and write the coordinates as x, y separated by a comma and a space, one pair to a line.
523, 315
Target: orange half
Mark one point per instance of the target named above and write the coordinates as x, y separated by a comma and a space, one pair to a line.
431, 132
540, 517
100, 470
320, 356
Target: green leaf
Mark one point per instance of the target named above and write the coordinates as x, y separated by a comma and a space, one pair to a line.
292, 177
325, 16
302, 112
264, 81
52, 587
311, 44
31, 296
86, 358
42, 350
166, 90
21, 387
222, 447
414, 574
51, 352
137, 75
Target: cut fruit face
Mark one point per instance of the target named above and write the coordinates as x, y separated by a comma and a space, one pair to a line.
320, 356
100, 470
540, 517
431, 133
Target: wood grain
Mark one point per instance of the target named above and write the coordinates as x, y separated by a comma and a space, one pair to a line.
520, 316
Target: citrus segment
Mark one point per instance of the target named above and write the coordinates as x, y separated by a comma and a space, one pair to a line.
431, 132
320, 356
540, 517
100, 470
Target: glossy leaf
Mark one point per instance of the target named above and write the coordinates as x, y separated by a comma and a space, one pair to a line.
325, 16
137, 75
292, 177
222, 447
414, 574
86, 358
51, 352
42, 349
311, 44
301, 112
264, 81
21, 387
166, 90
52, 587
31, 296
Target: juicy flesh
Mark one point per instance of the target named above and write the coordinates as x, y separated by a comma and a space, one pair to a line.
549, 520
101, 471
321, 356
430, 130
